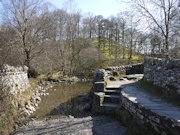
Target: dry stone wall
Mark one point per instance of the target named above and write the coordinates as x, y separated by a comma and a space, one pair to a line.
164, 73
13, 79
161, 124
129, 69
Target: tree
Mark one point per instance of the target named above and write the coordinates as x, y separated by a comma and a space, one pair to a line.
72, 27
175, 26
159, 13
8, 46
89, 26
122, 23
28, 19
131, 32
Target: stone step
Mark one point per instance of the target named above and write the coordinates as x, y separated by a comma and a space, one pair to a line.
112, 88
111, 99
110, 105
112, 92
112, 96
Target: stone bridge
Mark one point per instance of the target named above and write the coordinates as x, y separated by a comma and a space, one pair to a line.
111, 95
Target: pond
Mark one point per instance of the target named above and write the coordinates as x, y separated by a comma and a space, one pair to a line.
65, 99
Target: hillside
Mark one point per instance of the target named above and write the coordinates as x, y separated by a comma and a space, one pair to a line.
113, 52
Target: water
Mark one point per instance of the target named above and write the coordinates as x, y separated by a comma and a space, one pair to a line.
64, 99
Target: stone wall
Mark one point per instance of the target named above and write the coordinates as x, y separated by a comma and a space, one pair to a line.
164, 73
135, 69
161, 124
128, 69
13, 79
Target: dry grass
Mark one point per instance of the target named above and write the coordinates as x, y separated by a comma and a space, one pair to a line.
8, 111
9, 108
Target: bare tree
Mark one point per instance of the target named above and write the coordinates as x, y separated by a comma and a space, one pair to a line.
132, 32
89, 25
9, 51
123, 26
28, 20
158, 13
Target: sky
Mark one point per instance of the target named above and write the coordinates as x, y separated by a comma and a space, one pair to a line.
105, 8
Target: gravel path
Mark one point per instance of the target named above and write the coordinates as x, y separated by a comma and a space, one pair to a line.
97, 125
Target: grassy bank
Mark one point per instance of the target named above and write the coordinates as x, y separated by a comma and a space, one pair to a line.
9, 107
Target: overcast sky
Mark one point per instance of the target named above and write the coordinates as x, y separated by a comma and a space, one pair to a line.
105, 8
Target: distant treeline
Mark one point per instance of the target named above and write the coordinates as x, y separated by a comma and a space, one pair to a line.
46, 38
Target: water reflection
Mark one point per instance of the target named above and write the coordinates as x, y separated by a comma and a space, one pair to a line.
79, 106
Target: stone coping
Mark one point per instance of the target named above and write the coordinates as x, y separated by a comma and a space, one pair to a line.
9, 69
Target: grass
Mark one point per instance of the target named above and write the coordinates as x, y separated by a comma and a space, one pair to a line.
168, 95
7, 116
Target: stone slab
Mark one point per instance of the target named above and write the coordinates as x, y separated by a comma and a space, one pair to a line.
111, 96
112, 105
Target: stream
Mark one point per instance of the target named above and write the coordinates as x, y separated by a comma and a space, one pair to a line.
65, 99
67, 111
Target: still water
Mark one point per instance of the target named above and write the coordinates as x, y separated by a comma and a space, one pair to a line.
63, 99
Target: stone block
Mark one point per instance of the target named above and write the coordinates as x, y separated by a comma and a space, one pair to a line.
98, 87
13, 79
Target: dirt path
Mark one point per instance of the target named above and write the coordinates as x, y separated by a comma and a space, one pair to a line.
98, 125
